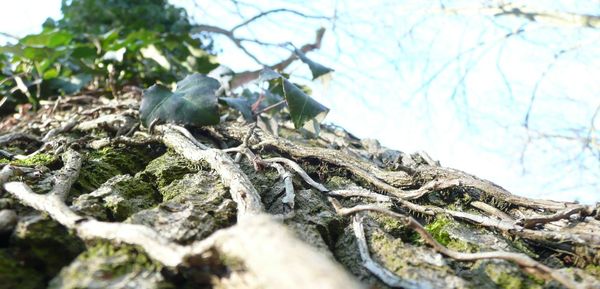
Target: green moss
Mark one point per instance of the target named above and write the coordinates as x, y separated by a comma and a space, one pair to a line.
387, 249
14, 274
101, 165
130, 258
438, 231
105, 265
462, 246
165, 169
508, 276
35, 160
130, 195
337, 182
523, 247
47, 244
593, 270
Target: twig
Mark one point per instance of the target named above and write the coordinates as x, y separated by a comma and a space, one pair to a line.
294, 166
565, 214
265, 13
286, 177
6, 139
491, 210
67, 176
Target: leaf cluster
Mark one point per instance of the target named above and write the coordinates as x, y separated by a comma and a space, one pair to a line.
102, 44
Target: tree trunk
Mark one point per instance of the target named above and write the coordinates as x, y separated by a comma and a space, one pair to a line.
91, 201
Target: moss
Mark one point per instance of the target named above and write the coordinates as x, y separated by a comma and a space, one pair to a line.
104, 265
46, 244
593, 270
396, 228
509, 276
438, 231
462, 246
132, 258
101, 165
14, 274
168, 167
130, 195
524, 248
35, 160
337, 182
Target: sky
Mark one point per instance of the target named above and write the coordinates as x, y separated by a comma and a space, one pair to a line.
386, 54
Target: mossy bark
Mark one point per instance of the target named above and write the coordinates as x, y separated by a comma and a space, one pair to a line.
151, 185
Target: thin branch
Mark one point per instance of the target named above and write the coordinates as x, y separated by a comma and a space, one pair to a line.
533, 14
583, 211
263, 14
294, 166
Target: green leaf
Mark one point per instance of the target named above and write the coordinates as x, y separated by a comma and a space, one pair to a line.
84, 52
305, 111
193, 102
49, 39
239, 104
316, 68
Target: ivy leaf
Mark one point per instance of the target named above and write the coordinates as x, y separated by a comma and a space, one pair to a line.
241, 105
48, 38
193, 102
305, 112
316, 68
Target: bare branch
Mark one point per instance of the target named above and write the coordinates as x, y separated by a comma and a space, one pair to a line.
533, 14
262, 14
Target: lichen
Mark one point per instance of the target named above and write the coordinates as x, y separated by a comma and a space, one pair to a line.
130, 196
411, 262
193, 208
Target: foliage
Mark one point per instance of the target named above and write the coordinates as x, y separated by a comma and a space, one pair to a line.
193, 102
195, 99
102, 43
105, 44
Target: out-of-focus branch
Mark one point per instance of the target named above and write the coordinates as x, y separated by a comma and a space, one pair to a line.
548, 17
245, 77
265, 13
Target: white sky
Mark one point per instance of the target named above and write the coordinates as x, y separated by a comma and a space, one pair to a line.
374, 92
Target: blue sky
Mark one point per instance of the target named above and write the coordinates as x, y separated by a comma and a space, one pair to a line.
467, 117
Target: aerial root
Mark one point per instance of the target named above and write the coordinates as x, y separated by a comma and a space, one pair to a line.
522, 260
271, 249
